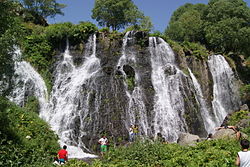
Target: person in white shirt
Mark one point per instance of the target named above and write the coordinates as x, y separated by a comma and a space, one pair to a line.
243, 158
104, 142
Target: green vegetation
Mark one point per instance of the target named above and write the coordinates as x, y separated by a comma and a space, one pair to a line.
222, 25
130, 82
237, 116
116, 14
32, 104
43, 8
25, 139
76, 34
245, 92
147, 154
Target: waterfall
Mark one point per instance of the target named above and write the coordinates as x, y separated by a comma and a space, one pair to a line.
209, 122
67, 112
168, 101
136, 112
27, 82
225, 91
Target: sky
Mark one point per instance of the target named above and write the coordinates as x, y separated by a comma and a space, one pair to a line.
159, 11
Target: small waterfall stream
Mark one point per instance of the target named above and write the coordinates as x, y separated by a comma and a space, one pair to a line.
209, 122
166, 79
225, 91
136, 112
27, 82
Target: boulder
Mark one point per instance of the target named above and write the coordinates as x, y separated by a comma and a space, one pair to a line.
224, 133
187, 139
227, 134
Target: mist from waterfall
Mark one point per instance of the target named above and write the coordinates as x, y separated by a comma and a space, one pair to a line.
209, 122
225, 91
169, 102
136, 111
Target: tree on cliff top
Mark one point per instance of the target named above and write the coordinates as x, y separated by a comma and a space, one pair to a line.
44, 8
222, 25
116, 13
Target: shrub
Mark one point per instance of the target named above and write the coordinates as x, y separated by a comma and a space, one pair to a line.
237, 116
25, 139
32, 104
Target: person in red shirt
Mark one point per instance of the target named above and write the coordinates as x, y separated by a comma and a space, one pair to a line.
63, 155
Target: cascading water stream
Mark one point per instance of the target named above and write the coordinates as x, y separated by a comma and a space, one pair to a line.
209, 122
225, 90
66, 95
136, 111
169, 102
27, 80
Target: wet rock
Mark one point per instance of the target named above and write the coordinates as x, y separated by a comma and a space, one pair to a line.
244, 107
187, 139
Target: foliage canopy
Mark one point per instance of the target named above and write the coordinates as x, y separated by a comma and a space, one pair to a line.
44, 8
222, 25
116, 13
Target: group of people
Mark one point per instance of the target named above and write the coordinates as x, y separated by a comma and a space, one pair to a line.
133, 132
242, 160
234, 128
243, 157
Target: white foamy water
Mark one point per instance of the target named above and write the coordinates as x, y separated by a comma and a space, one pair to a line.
66, 95
168, 101
209, 122
225, 90
27, 79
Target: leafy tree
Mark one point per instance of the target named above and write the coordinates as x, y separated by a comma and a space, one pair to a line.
145, 23
44, 8
222, 25
227, 25
186, 23
116, 13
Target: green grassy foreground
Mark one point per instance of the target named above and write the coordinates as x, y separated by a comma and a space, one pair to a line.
221, 153
25, 139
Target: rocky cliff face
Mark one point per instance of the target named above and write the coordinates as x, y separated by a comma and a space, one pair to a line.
111, 83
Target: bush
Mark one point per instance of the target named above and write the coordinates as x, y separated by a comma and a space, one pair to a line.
25, 139
32, 105
208, 153
245, 92
237, 116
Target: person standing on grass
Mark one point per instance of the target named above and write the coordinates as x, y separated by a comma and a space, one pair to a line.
63, 155
104, 144
243, 157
